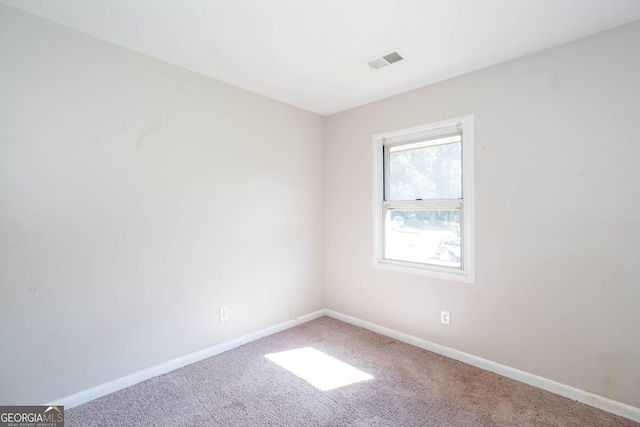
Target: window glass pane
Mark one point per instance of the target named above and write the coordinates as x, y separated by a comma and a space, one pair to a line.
427, 236
426, 170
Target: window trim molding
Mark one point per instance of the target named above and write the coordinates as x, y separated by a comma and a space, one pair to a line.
467, 273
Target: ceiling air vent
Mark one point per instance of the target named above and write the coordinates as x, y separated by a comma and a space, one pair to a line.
386, 59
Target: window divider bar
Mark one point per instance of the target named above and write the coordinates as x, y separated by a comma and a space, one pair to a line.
417, 204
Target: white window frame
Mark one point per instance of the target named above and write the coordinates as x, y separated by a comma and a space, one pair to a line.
464, 274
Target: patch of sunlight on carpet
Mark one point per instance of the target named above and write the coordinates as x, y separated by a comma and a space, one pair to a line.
318, 369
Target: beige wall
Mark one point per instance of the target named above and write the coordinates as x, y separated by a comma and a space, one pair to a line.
557, 216
136, 198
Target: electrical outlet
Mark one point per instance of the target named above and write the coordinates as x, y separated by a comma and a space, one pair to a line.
224, 313
445, 317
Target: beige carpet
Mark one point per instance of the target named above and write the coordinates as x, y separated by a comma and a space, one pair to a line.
406, 386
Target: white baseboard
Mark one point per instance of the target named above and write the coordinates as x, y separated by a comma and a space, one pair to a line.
137, 377
573, 393
582, 396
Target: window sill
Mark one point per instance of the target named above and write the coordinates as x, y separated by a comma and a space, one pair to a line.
428, 271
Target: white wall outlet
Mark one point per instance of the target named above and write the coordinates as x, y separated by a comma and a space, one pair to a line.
224, 313
445, 317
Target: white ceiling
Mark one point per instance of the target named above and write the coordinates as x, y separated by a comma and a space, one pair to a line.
309, 53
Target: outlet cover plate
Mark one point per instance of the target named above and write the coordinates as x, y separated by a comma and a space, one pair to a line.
445, 317
224, 314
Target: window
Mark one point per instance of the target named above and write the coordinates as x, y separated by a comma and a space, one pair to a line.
423, 200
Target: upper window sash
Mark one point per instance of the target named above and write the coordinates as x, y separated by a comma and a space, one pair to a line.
424, 169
